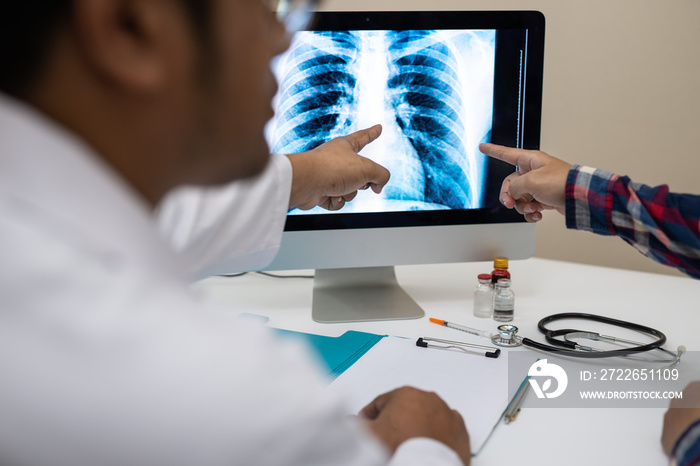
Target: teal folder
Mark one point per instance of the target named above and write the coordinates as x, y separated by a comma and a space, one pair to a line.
336, 353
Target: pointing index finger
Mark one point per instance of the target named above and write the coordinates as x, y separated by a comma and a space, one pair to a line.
507, 154
359, 139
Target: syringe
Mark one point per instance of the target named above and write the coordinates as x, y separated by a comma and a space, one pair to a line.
462, 328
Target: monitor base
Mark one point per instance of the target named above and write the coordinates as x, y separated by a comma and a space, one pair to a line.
361, 294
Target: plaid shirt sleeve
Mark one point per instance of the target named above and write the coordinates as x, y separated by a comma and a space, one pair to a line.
686, 452
662, 225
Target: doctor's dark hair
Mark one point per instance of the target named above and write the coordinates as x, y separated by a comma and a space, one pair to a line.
27, 28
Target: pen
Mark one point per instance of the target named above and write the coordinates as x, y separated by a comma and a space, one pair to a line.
513, 408
473, 331
488, 351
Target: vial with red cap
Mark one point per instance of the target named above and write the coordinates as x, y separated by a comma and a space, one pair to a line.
483, 297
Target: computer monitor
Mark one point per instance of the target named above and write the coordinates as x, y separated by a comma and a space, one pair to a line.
440, 83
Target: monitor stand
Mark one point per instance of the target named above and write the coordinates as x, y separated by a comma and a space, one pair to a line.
361, 294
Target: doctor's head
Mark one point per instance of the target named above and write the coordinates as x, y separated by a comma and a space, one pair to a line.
168, 92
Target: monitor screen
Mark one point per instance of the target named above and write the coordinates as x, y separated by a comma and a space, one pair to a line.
439, 83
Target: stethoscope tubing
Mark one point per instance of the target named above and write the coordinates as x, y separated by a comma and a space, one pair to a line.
567, 348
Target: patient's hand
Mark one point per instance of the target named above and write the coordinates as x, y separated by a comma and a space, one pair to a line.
680, 415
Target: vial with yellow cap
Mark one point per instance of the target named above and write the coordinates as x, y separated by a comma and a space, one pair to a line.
500, 270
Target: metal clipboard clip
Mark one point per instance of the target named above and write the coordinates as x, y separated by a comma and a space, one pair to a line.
488, 351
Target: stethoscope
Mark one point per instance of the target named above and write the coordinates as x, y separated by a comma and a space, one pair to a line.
562, 341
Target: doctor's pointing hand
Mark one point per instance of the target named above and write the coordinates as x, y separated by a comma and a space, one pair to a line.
331, 174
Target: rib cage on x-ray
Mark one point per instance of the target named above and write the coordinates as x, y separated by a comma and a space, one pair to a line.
417, 95
424, 89
317, 93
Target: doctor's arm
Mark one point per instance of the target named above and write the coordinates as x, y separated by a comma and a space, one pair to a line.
238, 227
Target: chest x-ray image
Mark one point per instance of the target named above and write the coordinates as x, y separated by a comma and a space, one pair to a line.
432, 91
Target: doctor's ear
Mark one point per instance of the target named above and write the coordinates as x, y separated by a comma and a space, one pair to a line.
132, 44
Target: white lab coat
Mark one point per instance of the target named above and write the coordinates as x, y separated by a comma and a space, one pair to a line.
233, 229
108, 358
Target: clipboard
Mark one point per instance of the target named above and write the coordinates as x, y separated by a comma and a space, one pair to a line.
365, 365
475, 386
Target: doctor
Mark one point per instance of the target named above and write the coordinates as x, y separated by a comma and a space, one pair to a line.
106, 356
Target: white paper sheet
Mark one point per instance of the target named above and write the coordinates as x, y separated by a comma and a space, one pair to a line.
474, 385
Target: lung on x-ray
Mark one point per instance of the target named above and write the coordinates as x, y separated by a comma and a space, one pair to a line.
431, 90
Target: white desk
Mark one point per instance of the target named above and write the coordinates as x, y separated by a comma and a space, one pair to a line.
543, 287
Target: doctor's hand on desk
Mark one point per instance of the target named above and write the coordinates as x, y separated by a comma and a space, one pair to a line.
332, 174
680, 416
408, 412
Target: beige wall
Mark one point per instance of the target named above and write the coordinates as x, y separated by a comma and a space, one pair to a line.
621, 92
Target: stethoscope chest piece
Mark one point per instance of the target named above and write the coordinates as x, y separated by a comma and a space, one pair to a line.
507, 336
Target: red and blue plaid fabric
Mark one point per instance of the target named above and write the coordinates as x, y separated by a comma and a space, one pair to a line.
686, 452
662, 225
